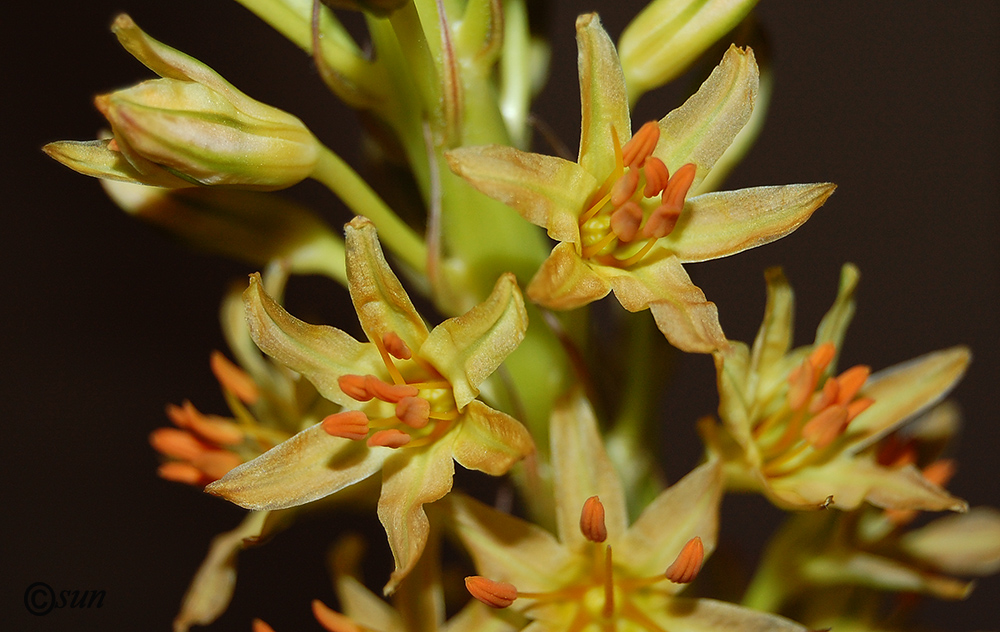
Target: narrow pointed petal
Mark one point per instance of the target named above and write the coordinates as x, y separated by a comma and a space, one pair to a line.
581, 469
490, 441
732, 376
477, 617
505, 548
322, 354
774, 338
356, 601
411, 479
833, 326
687, 509
903, 391
94, 158
467, 349
963, 544
307, 467
720, 224
381, 302
566, 281
874, 571
682, 313
709, 615
703, 128
547, 191
603, 99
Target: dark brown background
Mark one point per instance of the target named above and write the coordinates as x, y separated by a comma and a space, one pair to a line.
106, 320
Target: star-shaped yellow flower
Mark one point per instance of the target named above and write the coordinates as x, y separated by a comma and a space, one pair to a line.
802, 435
601, 573
408, 397
624, 222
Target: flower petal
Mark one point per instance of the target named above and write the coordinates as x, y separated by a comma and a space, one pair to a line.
490, 441
703, 128
709, 615
834, 324
566, 281
93, 158
603, 100
720, 224
411, 479
357, 602
322, 354
547, 191
774, 338
467, 349
307, 467
689, 508
866, 569
963, 544
581, 469
380, 300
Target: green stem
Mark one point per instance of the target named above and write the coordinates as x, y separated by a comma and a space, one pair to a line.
343, 181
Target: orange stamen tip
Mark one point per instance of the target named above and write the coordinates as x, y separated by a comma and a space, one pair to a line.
493, 594
822, 429
685, 568
896, 452
939, 472
641, 146
333, 620
851, 381
625, 221
396, 346
592, 520
211, 428
391, 393
181, 472
179, 444
389, 438
624, 187
216, 463
348, 424
354, 387
113, 145
259, 626
826, 397
233, 378
661, 222
822, 355
413, 411
858, 406
657, 177
679, 184
801, 383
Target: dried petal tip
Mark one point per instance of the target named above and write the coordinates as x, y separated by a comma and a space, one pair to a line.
348, 424
233, 378
389, 438
493, 594
685, 568
396, 346
592, 520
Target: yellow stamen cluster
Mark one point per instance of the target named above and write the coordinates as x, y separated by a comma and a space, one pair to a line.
613, 224
423, 404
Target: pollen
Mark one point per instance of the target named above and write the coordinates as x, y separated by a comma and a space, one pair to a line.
348, 424
492, 593
592, 520
688, 563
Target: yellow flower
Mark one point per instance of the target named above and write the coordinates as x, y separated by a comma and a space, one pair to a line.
408, 397
601, 573
624, 222
800, 434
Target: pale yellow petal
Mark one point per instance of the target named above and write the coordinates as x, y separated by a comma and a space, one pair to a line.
490, 441
865, 569
709, 615
356, 601
603, 100
720, 224
834, 324
964, 544
566, 281
93, 158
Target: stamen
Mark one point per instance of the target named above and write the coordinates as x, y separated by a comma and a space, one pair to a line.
896, 452
939, 472
175, 443
390, 393
233, 378
259, 626
821, 356
396, 346
857, 407
413, 411
851, 381
802, 383
181, 472
389, 438
593, 249
625, 221
348, 424
826, 397
657, 177
212, 428
493, 594
624, 263
354, 387
661, 222
216, 463
609, 585
641, 146
685, 568
624, 188
333, 620
592, 520
822, 429
678, 186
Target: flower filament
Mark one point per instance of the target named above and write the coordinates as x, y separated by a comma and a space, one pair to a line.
614, 229
424, 406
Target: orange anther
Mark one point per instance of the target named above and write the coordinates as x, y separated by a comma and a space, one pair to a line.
354, 387
592, 520
896, 452
624, 187
851, 382
389, 438
413, 411
182, 472
657, 177
348, 424
212, 428
661, 222
113, 145
233, 378
641, 146
491, 593
801, 384
821, 356
826, 397
390, 393
678, 186
333, 620
939, 472
625, 221
396, 346
216, 463
685, 568
822, 429
857, 407
175, 443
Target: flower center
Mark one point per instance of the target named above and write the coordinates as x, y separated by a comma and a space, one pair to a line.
615, 230
423, 403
